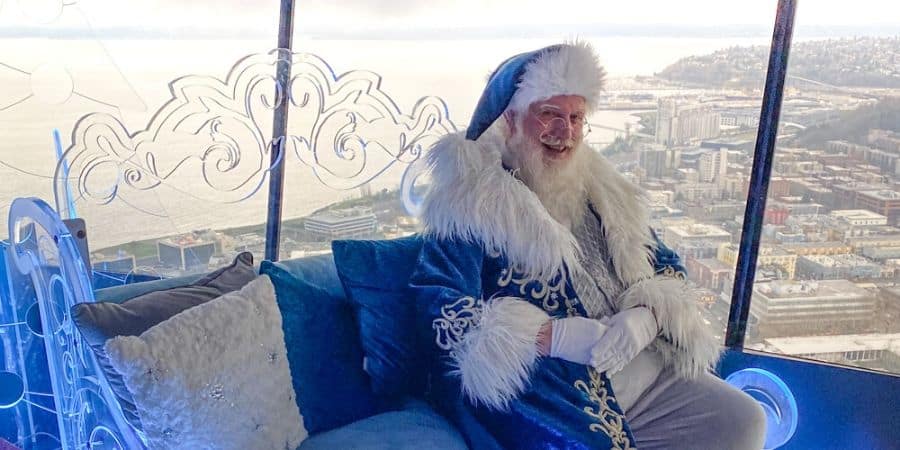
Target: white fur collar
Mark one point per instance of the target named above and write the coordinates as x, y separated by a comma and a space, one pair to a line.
473, 198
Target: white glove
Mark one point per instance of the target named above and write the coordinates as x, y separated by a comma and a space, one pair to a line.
574, 337
629, 332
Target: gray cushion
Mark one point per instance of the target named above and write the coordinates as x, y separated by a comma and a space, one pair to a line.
99, 322
414, 427
215, 376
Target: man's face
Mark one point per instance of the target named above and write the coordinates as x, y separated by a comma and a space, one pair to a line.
555, 127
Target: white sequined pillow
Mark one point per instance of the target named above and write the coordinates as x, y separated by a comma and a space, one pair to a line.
215, 376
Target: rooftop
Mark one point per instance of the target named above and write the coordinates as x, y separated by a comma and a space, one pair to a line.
845, 260
189, 239
836, 344
883, 194
714, 264
809, 289
335, 216
823, 244
856, 214
698, 230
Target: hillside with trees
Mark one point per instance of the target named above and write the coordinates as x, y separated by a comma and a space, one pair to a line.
858, 62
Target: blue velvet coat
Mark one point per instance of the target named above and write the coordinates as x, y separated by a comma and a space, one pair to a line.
566, 405
493, 268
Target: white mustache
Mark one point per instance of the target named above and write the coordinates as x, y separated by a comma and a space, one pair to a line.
554, 141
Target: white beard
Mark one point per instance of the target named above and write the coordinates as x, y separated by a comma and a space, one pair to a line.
561, 188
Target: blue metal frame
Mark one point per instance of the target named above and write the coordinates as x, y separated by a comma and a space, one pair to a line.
276, 182
838, 406
759, 178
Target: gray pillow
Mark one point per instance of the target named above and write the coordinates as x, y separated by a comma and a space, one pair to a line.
101, 321
215, 376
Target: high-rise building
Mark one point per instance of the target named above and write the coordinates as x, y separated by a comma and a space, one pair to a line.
713, 166
681, 124
653, 162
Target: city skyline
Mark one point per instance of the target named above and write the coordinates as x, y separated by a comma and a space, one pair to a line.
681, 125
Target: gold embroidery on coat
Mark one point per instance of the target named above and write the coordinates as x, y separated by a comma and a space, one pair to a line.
456, 318
548, 294
609, 422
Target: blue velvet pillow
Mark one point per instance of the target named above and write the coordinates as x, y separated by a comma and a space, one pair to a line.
323, 352
375, 275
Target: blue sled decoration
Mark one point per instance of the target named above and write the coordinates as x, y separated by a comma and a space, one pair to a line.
46, 276
776, 399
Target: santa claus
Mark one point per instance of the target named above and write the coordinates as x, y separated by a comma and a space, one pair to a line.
557, 319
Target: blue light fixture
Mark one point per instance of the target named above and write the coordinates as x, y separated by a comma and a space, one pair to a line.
776, 399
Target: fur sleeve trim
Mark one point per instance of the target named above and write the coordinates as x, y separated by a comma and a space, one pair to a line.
687, 343
495, 359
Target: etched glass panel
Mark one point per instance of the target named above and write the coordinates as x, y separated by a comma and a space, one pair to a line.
158, 146
162, 127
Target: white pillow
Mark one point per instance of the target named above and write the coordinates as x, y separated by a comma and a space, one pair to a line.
214, 376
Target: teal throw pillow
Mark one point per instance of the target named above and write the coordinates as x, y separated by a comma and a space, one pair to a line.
323, 351
375, 275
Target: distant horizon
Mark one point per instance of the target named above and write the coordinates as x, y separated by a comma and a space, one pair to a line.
516, 31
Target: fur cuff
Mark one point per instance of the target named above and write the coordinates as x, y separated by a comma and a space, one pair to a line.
687, 343
495, 359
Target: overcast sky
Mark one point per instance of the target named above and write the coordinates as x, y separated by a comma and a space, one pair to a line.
389, 15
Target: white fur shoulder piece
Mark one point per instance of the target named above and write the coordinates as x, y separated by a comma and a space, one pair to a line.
473, 198
214, 376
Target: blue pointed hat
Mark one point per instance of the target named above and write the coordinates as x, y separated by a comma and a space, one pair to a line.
565, 69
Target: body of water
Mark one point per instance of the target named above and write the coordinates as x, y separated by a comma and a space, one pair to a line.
51, 84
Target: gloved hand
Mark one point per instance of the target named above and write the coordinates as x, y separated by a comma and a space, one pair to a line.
574, 337
629, 332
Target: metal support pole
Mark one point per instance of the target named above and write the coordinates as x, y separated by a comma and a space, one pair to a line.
279, 129
759, 178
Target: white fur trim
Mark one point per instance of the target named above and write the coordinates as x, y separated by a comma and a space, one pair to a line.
473, 198
689, 345
495, 359
572, 70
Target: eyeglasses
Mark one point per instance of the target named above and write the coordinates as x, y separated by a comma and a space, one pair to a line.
577, 120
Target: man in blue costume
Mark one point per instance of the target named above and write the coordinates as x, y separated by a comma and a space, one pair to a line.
557, 319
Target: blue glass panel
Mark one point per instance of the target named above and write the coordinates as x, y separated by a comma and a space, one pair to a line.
59, 384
